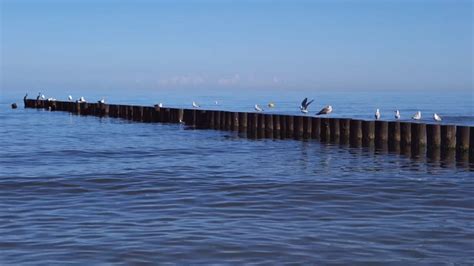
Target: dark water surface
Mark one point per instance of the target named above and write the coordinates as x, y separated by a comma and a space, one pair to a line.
92, 190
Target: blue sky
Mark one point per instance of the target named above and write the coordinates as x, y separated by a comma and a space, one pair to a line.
229, 45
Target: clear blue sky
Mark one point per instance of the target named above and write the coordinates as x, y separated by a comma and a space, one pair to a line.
308, 45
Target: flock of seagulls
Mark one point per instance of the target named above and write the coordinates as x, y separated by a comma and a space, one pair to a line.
304, 107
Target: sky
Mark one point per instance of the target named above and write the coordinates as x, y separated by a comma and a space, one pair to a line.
224, 45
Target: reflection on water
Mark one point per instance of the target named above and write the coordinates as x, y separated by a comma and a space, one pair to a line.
101, 190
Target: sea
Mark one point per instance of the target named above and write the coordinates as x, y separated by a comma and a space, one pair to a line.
84, 190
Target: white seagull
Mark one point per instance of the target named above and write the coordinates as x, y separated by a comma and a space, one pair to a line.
397, 114
195, 105
436, 117
81, 100
304, 105
102, 100
160, 105
69, 98
258, 108
377, 114
326, 110
417, 116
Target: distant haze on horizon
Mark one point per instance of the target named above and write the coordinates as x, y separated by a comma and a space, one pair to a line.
236, 45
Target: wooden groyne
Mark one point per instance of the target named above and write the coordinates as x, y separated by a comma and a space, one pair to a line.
410, 138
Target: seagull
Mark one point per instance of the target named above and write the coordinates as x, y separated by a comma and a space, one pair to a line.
160, 105
51, 99
326, 110
42, 97
271, 105
377, 114
258, 109
417, 116
397, 114
69, 98
436, 117
81, 100
39, 96
26, 96
195, 105
102, 100
304, 105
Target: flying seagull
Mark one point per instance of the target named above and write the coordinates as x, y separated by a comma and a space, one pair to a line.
195, 105
417, 116
377, 114
326, 110
436, 117
304, 105
397, 114
258, 108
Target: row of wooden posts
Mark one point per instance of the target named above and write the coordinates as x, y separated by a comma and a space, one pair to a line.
404, 137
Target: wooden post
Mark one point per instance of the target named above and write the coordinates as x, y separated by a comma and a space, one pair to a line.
253, 125
462, 139
325, 130
235, 121
316, 128
335, 129
228, 123
356, 133
433, 136
448, 137
180, 115
394, 136
307, 127
381, 135
243, 122
298, 127
471, 146
368, 132
418, 135
210, 119
290, 126
283, 126
261, 125
268, 126
217, 120
344, 127
405, 137
276, 126
201, 118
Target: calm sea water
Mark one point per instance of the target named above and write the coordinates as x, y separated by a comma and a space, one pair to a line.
95, 190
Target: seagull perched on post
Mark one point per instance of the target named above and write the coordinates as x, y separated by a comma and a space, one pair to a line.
69, 97
397, 114
102, 101
377, 114
304, 105
195, 105
258, 108
326, 110
417, 116
436, 117
81, 100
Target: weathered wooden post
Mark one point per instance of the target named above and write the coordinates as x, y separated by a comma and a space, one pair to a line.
471, 145
368, 133
307, 127
433, 136
228, 118
405, 135
201, 119
334, 126
462, 139
356, 133
217, 120
448, 137
325, 130
268, 126
243, 122
253, 125
276, 126
344, 127
261, 125
394, 137
235, 121
316, 128
210, 119
298, 127
290, 126
283, 126
381, 135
